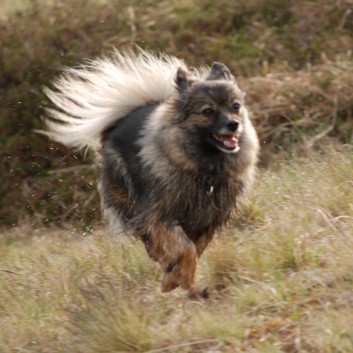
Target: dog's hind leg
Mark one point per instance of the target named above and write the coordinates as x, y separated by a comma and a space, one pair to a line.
176, 254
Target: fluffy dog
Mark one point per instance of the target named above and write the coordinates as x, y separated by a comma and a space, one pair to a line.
178, 149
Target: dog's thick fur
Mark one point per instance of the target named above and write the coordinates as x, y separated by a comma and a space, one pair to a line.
178, 149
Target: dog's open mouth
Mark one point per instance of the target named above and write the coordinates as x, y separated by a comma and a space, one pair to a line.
227, 141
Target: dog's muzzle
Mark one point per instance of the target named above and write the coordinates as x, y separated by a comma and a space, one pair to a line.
227, 138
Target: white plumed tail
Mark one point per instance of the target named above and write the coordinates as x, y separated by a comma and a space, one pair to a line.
93, 96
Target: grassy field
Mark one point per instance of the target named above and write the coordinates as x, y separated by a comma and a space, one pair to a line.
281, 274
281, 278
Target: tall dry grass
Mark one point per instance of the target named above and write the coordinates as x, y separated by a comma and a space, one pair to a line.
281, 277
298, 109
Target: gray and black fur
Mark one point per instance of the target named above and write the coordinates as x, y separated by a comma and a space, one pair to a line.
173, 168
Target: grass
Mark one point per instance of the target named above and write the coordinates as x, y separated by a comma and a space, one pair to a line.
281, 277
301, 108
281, 274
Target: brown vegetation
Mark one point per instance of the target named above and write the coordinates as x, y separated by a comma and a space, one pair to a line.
293, 58
281, 277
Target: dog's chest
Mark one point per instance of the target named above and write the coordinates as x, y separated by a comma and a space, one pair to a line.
202, 203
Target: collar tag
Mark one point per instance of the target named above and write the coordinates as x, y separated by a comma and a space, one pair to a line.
210, 192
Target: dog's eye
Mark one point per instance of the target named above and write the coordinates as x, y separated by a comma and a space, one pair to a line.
235, 107
208, 112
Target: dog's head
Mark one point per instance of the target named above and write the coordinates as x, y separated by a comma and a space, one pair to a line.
212, 110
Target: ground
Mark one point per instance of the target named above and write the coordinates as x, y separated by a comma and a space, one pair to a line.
280, 274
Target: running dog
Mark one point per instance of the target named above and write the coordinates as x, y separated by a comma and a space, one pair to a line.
177, 147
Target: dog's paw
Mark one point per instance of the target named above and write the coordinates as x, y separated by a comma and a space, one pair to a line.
168, 282
199, 294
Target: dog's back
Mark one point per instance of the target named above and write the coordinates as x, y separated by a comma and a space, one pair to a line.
123, 181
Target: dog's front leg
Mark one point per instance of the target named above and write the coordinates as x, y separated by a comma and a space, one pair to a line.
176, 254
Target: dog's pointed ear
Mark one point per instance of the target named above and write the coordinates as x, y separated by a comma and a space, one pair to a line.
183, 80
220, 72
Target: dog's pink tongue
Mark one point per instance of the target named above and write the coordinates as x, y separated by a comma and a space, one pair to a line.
228, 140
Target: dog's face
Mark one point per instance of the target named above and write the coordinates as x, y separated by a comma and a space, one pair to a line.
212, 110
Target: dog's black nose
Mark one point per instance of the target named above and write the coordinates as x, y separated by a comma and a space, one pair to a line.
232, 125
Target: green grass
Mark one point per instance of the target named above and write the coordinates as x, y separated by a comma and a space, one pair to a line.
281, 278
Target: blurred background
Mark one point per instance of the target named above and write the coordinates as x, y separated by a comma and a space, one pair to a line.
293, 58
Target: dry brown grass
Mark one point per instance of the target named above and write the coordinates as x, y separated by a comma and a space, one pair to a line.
298, 109
282, 279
